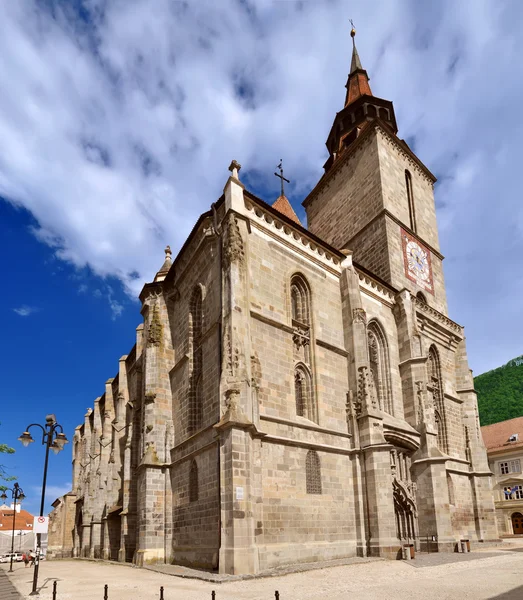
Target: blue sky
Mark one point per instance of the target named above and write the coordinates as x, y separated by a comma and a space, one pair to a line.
118, 122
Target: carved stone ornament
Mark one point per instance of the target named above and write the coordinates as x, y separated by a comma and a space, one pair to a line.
359, 316
231, 355
353, 405
227, 351
420, 391
155, 328
233, 246
231, 399
373, 348
366, 390
149, 397
255, 371
301, 336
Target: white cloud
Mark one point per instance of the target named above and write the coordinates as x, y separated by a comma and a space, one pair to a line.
117, 129
52, 492
24, 310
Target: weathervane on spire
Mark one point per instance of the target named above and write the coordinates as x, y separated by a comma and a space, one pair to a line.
352, 31
280, 175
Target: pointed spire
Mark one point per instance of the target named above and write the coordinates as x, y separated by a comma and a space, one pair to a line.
358, 81
356, 62
160, 276
283, 206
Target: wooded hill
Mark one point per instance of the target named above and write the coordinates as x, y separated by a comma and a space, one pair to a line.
500, 392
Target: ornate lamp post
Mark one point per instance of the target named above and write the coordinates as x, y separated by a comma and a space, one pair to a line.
17, 495
53, 438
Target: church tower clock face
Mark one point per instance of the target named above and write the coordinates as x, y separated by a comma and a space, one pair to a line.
417, 262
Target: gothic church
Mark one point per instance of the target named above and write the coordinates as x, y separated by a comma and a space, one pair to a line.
294, 394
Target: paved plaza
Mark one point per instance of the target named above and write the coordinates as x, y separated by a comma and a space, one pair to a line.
493, 574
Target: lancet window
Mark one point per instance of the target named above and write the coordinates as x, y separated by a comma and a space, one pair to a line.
435, 388
313, 473
196, 356
303, 392
380, 366
410, 200
300, 301
303, 360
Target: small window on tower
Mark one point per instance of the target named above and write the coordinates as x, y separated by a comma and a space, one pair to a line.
410, 200
421, 297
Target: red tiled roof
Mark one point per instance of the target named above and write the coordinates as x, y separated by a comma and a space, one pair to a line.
23, 519
284, 206
496, 436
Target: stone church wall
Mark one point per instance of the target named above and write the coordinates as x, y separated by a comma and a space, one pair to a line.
301, 527
196, 521
461, 510
371, 249
393, 164
341, 194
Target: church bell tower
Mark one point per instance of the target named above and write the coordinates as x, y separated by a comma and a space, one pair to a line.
376, 197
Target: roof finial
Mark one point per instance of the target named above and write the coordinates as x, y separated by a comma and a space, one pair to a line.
352, 31
234, 168
355, 63
160, 276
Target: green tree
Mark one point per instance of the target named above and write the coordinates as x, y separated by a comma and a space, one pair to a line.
500, 393
5, 449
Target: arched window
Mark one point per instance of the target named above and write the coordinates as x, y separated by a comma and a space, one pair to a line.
196, 355
434, 386
193, 482
303, 392
313, 472
302, 351
380, 366
300, 300
410, 200
421, 297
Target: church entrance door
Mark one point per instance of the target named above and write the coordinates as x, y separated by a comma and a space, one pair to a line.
517, 523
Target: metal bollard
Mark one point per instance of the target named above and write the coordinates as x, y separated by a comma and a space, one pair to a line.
106, 592
276, 595
161, 592
54, 589
213, 595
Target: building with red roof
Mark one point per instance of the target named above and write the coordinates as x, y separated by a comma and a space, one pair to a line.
504, 442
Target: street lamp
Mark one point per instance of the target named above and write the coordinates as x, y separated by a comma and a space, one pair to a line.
53, 438
17, 495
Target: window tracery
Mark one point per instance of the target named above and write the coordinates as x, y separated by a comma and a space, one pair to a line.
380, 366
435, 388
302, 334
313, 473
303, 392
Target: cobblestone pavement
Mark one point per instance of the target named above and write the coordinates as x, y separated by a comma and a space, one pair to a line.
7, 589
492, 575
